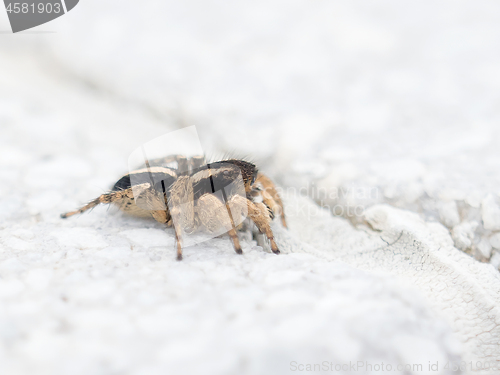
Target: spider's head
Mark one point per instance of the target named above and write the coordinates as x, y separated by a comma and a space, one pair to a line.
248, 172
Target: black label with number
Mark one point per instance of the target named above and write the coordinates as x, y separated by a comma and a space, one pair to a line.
26, 14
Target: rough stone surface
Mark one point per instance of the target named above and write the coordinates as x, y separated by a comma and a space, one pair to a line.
372, 102
388, 106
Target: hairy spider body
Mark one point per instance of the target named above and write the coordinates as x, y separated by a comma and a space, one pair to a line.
191, 196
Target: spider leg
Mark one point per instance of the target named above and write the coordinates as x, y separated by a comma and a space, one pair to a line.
181, 209
162, 217
107, 198
232, 232
271, 197
213, 214
178, 232
258, 214
156, 204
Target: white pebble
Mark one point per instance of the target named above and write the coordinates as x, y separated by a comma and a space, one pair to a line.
490, 213
448, 212
484, 248
495, 260
463, 234
495, 241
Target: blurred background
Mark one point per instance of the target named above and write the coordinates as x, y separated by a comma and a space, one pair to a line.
400, 98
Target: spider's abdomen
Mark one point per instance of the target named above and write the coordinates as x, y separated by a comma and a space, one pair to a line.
158, 177
153, 176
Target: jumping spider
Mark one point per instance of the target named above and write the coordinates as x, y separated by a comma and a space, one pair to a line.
179, 192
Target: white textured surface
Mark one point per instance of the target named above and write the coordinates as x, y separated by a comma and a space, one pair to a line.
396, 97
381, 95
465, 292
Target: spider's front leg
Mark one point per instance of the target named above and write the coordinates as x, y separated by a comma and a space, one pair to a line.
107, 198
258, 214
178, 235
181, 209
270, 196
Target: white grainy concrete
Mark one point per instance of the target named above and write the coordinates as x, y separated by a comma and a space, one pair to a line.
395, 99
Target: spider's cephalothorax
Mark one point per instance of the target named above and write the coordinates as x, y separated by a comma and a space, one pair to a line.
179, 192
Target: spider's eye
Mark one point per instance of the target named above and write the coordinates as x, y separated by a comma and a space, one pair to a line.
257, 187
